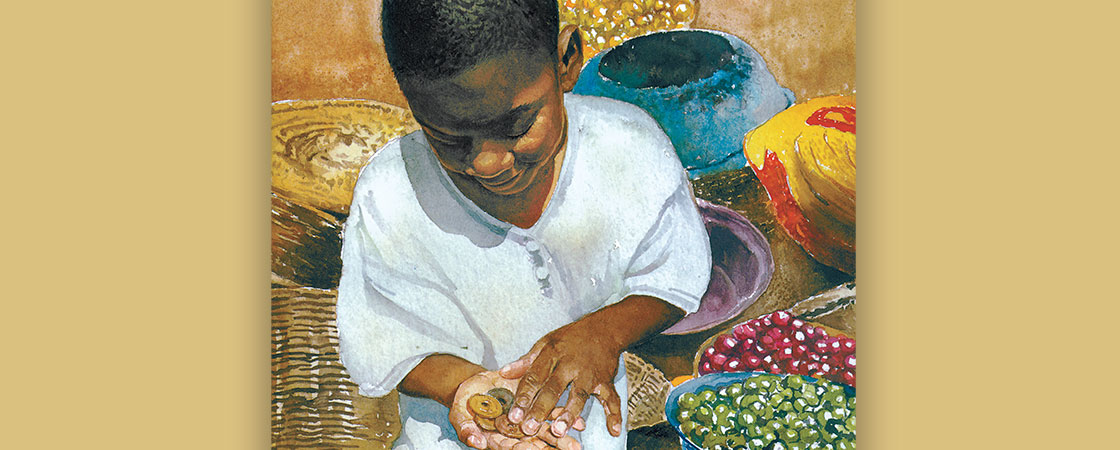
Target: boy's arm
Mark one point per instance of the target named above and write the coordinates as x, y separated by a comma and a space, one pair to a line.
438, 376
585, 355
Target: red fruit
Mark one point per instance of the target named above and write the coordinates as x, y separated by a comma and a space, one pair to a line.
850, 361
849, 345
746, 345
850, 378
753, 361
812, 367
834, 344
718, 360
775, 333
709, 351
800, 350
775, 368
743, 332
767, 341
754, 324
785, 354
706, 368
814, 356
827, 368
767, 322
797, 366
821, 347
800, 336
797, 323
733, 365
725, 343
781, 318
760, 350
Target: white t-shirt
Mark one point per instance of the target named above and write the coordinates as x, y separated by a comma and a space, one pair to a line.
427, 271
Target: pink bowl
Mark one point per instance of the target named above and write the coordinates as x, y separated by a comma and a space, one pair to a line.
741, 269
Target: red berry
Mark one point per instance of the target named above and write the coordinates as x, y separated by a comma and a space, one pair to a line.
743, 332
821, 347
781, 318
766, 322
706, 368
785, 354
753, 361
775, 368
850, 361
718, 360
850, 378
754, 324
849, 345
814, 356
812, 367
767, 359
826, 367
800, 350
760, 350
710, 351
834, 344
797, 323
725, 343
733, 365
800, 336
746, 345
796, 366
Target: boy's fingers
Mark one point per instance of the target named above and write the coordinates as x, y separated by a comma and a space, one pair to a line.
544, 402
577, 397
532, 382
545, 436
579, 424
612, 405
471, 434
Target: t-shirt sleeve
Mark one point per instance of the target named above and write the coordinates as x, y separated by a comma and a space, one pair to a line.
673, 261
394, 307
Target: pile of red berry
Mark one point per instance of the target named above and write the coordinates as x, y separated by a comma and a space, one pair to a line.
781, 343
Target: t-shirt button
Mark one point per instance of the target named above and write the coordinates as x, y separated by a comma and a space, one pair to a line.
532, 246
542, 273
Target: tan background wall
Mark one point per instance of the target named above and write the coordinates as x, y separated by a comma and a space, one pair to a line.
333, 49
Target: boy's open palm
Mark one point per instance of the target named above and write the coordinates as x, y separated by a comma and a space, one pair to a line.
470, 433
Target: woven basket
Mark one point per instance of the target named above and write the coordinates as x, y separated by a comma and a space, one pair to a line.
318, 146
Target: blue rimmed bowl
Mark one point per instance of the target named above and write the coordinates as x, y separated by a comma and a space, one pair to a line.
705, 88
716, 381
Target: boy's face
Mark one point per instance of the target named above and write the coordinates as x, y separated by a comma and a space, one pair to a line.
500, 123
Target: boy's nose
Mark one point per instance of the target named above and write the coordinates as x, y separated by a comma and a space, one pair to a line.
491, 160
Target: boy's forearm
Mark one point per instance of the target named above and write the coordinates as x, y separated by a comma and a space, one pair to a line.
634, 319
438, 376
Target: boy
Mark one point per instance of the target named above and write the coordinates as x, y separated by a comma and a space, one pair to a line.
521, 226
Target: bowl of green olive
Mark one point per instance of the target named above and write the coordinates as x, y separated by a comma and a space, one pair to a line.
757, 410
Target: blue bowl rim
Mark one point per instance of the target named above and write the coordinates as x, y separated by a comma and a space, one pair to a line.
718, 380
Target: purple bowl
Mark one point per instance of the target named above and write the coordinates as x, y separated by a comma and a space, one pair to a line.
741, 269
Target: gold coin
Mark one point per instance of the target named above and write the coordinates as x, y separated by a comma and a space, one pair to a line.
485, 424
485, 406
507, 428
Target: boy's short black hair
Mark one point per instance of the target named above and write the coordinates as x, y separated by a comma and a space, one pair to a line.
433, 39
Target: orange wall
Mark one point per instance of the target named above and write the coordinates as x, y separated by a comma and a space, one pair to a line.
332, 48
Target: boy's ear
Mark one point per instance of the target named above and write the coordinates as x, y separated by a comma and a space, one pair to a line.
570, 62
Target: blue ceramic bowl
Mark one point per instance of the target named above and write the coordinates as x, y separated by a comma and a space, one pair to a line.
715, 381
707, 89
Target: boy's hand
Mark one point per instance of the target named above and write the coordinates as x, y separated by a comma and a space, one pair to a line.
579, 354
470, 433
